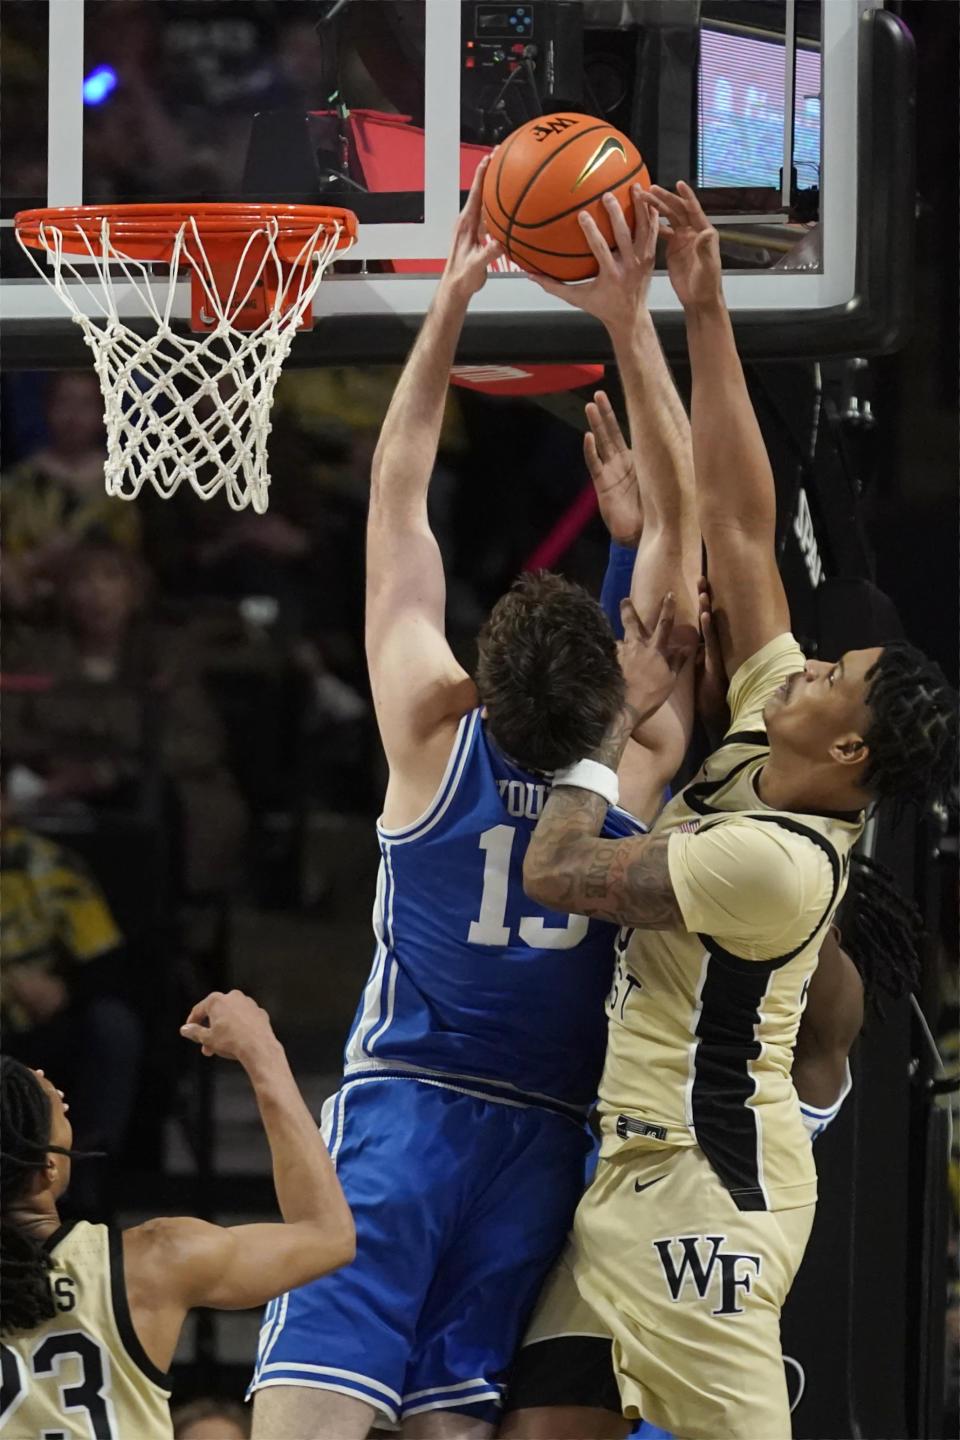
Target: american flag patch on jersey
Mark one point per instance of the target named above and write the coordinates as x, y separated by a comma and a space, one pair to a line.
688, 826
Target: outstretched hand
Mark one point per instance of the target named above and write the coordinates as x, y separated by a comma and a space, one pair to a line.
614, 475
233, 1026
693, 245
651, 660
472, 250
620, 290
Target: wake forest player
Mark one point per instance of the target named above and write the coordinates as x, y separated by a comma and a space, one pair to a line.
90, 1316
458, 1131
688, 1240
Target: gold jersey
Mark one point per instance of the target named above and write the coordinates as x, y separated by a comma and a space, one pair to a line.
703, 1020
83, 1373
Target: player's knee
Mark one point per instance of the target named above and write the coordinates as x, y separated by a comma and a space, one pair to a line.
290, 1412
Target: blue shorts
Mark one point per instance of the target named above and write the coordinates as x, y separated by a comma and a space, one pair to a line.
461, 1205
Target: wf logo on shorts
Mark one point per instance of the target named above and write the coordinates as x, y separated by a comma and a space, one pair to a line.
701, 1272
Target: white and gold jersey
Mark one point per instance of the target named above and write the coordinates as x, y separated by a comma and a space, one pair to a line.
83, 1373
703, 1021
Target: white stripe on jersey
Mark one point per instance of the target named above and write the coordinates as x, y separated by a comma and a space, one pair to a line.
445, 791
485, 1088
372, 1007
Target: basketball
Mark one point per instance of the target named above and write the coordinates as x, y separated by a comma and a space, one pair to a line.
540, 179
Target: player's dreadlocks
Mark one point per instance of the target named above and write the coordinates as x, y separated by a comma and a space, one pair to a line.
912, 737
882, 933
26, 1299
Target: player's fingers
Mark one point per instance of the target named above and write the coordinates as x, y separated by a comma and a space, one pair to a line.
201, 1011
197, 1033
622, 238
492, 250
645, 228
592, 458
651, 198
711, 642
692, 207
655, 209
632, 628
612, 436
598, 246
669, 206
595, 421
474, 194
470, 214
663, 629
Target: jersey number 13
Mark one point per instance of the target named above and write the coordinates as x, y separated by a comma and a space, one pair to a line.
489, 927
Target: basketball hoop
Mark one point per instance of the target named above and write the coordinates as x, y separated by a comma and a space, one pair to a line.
188, 407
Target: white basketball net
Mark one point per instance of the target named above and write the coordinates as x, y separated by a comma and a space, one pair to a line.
193, 407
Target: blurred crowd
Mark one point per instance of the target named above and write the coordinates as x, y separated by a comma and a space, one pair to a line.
172, 680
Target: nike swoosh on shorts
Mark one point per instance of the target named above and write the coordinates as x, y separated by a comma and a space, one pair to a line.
646, 1185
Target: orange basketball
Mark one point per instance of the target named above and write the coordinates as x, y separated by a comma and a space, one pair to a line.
540, 179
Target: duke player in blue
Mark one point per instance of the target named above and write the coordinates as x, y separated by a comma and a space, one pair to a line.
458, 1131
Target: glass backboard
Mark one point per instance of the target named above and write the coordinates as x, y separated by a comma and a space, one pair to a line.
790, 116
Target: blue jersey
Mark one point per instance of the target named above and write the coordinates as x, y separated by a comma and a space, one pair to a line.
472, 980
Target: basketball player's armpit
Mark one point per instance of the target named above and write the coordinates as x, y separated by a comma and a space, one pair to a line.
624, 881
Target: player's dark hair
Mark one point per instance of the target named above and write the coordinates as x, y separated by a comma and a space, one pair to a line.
882, 933
912, 737
26, 1299
548, 672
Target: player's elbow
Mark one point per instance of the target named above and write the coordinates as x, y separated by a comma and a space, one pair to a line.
341, 1236
347, 1242
328, 1246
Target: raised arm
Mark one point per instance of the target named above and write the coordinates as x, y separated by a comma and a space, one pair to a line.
419, 690
173, 1264
736, 500
668, 553
654, 755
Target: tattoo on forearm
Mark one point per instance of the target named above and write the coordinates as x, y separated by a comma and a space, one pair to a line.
596, 881
610, 750
648, 879
569, 869
570, 808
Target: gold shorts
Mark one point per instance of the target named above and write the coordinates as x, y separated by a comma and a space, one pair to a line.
688, 1287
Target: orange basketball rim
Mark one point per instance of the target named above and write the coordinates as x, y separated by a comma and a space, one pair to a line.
223, 244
